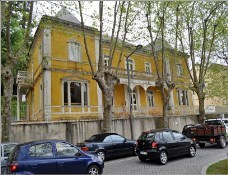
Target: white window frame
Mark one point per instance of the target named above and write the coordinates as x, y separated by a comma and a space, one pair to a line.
151, 96
131, 71
74, 51
180, 94
106, 61
179, 70
82, 93
147, 67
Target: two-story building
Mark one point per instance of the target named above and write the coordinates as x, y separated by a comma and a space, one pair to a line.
59, 84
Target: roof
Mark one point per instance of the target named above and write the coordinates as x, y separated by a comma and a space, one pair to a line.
64, 14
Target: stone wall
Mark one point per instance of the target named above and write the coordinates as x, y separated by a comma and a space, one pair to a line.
78, 131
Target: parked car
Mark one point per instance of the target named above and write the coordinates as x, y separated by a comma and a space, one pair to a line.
163, 144
52, 157
6, 149
109, 145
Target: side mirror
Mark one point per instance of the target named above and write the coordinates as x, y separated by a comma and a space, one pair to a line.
125, 140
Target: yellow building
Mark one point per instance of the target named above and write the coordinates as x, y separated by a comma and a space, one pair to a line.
59, 84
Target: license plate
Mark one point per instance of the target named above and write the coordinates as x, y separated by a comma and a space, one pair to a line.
143, 152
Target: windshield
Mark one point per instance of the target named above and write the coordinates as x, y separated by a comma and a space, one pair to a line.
8, 149
96, 138
147, 136
13, 154
213, 122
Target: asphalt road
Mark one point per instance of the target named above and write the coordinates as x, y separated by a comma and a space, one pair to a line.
181, 165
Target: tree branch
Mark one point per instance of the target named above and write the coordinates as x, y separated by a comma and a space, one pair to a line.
84, 35
27, 33
112, 37
100, 62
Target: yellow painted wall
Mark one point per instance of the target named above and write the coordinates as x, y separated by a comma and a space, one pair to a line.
119, 96
63, 68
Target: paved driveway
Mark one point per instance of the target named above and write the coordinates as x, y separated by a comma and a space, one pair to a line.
183, 165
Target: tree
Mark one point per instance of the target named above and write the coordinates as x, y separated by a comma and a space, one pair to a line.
217, 83
15, 41
200, 20
165, 81
107, 78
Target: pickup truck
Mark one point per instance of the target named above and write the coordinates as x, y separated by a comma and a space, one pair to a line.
211, 131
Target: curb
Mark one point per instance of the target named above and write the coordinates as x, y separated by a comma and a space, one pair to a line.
204, 170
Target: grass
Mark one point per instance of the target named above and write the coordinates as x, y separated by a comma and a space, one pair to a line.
220, 167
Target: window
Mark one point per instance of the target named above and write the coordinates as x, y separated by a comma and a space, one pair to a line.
131, 66
117, 138
74, 51
108, 139
65, 149
167, 136
78, 93
179, 70
106, 61
178, 135
134, 100
147, 68
183, 97
41, 150
150, 98
8, 149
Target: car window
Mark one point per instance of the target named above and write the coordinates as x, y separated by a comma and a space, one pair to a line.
108, 139
177, 135
8, 149
65, 149
213, 122
41, 150
117, 138
226, 122
147, 136
96, 138
167, 136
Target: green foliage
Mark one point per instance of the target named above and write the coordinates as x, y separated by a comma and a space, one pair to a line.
217, 83
17, 29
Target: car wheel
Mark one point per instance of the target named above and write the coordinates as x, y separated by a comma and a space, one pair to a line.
222, 142
192, 151
202, 145
134, 150
163, 158
93, 169
142, 159
101, 154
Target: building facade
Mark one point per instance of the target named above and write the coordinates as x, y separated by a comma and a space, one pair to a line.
59, 86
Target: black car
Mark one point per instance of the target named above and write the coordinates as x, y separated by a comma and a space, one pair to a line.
109, 145
163, 144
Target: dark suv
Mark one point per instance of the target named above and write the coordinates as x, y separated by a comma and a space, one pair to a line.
163, 144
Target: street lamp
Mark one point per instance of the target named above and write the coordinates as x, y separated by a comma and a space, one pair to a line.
129, 89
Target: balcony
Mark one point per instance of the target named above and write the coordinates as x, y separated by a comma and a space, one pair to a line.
24, 79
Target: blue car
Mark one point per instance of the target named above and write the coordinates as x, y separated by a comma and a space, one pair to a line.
52, 157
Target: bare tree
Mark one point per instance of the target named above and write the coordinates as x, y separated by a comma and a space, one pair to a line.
12, 58
107, 78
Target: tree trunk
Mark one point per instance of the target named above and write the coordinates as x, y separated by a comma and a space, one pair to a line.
201, 108
166, 121
7, 78
107, 114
